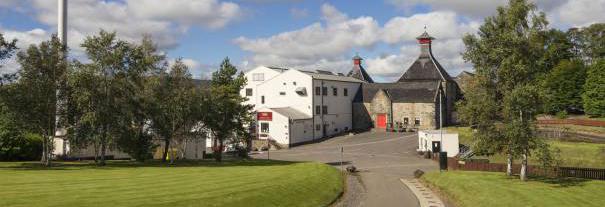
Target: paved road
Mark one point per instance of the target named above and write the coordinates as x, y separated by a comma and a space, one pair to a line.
381, 157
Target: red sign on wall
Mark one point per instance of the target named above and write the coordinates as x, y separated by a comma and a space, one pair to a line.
264, 116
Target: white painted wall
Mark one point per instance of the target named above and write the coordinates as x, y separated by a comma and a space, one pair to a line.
268, 74
287, 82
280, 91
301, 131
339, 116
278, 128
449, 144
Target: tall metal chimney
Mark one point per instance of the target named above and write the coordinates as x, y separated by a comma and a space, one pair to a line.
62, 21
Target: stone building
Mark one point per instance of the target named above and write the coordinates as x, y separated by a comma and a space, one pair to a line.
413, 102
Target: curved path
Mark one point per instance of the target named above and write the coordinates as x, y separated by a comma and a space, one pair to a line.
382, 159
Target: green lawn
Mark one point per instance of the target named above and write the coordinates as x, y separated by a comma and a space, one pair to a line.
573, 154
232, 183
467, 189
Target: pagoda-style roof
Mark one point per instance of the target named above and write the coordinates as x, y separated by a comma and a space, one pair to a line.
358, 71
426, 67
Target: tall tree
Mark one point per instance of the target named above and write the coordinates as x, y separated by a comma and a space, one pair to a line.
563, 87
520, 109
594, 90
144, 62
227, 113
42, 78
105, 88
504, 54
173, 105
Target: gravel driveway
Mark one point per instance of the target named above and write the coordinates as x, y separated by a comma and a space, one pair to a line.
382, 158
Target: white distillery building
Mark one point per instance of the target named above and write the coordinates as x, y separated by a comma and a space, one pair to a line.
295, 106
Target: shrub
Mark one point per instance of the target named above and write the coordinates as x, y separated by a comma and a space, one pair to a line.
418, 173
562, 114
594, 90
25, 147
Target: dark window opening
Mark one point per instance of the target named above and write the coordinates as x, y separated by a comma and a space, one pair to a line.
324, 91
317, 91
283, 93
248, 92
317, 110
335, 91
264, 127
324, 109
346, 92
262, 99
417, 121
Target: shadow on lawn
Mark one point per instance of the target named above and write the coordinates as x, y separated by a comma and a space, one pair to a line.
561, 182
115, 164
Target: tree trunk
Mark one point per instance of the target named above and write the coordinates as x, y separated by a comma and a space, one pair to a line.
509, 163
166, 147
96, 148
43, 157
103, 147
172, 154
49, 149
523, 173
218, 152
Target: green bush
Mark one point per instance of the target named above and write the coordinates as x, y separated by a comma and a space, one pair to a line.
562, 115
594, 90
26, 147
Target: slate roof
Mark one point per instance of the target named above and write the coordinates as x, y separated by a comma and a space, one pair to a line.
322, 76
400, 92
360, 73
291, 113
425, 68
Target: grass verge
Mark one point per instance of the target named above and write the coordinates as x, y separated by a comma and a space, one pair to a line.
573, 154
469, 189
204, 183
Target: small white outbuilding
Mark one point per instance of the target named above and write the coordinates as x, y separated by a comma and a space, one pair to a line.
448, 141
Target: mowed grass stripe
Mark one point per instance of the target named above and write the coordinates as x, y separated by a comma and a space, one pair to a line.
198, 184
468, 188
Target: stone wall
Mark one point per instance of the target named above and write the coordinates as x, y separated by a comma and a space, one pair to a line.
424, 111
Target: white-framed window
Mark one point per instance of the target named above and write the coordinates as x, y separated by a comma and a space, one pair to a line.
248, 92
417, 121
258, 77
264, 127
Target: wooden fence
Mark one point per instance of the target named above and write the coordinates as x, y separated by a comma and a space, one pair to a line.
587, 173
583, 122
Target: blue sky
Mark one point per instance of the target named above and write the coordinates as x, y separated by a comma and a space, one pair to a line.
309, 34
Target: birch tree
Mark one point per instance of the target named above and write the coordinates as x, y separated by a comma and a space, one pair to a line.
42, 78
505, 53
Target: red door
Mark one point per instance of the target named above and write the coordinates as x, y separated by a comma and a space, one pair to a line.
381, 121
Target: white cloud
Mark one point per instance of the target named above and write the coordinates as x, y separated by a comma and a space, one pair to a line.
24, 40
320, 41
476, 9
327, 44
440, 23
579, 13
206, 13
164, 22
